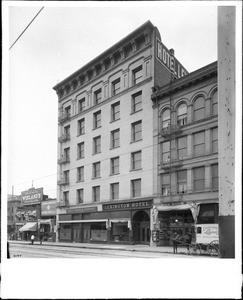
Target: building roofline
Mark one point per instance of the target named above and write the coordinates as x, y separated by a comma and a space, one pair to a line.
184, 81
104, 54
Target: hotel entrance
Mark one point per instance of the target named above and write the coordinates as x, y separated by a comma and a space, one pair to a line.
141, 227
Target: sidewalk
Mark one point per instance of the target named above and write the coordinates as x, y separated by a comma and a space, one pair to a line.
142, 248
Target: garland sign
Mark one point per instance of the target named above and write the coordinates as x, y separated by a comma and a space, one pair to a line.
169, 61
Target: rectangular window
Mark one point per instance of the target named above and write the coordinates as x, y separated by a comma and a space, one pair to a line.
97, 119
136, 188
65, 196
67, 130
81, 126
96, 170
67, 153
136, 160
116, 86
115, 111
81, 150
199, 143
165, 178
114, 165
97, 96
182, 181
182, 147
81, 105
166, 152
199, 179
215, 177
215, 140
66, 176
137, 75
96, 193
97, 144
136, 131
67, 111
115, 138
80, 196
136, 102
80, 174
114, 191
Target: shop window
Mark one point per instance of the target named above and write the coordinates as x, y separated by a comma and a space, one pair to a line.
119, 232
182, 147
97, 145
215, 178
96, 170
136, 160
97, 119
115, 138
116, 86
80, 174
208, 214
81, 126
199, 108
182, 114
136, 188
165, 178
166, 152
114, 165
199, 179
114, 191
165, 119
137, 75
199, 143
81, 105
136, 102
80, 150
136, 131
215, 103
115, 111
182, 182
215, 140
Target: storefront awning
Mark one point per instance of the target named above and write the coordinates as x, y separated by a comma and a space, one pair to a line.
173, 207
82, 221
29, 227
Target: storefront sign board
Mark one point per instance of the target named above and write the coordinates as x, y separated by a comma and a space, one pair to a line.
32, 196
49, 208
77, 210
128, 205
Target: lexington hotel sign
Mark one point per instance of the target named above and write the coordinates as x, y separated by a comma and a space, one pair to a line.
169, 61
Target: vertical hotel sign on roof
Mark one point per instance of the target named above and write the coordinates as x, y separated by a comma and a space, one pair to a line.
169, 61
32, 196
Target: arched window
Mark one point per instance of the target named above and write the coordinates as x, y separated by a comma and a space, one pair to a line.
199, 108
182, 114
215, 103
166, 118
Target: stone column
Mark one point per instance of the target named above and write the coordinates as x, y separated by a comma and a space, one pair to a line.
190, 113
189, 180
207, 141
207, 107
189, 145
208, 177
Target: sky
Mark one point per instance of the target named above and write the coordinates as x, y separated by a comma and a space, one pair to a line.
60, 41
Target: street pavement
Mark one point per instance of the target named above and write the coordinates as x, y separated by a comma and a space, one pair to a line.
182, 250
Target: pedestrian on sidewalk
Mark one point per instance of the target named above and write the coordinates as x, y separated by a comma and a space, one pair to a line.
41, 238
175, 237
189, 241
32, 239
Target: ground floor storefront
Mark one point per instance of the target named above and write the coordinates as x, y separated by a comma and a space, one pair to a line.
123, 222
182, 219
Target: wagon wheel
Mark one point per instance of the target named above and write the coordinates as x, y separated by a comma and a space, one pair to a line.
213, 248
194, 248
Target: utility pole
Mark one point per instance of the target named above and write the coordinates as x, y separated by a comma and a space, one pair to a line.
226, 129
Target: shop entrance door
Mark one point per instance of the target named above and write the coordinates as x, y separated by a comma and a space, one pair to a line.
76, 235
85, 233
141, 227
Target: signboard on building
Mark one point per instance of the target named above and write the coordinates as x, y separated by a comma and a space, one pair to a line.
169, 61
49, 208
26, 214
76, 210
206, 233
128, 205
32, 196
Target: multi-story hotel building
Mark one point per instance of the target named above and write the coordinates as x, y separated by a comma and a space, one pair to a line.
105, 141
186, 153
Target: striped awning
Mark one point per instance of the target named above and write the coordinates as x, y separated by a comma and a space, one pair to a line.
31, 226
